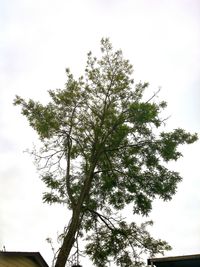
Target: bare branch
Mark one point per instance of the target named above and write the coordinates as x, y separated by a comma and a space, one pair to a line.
154, 95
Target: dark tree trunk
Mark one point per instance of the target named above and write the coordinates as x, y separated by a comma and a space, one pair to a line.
69, 239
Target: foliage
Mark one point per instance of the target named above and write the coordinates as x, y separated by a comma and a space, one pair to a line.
102, 150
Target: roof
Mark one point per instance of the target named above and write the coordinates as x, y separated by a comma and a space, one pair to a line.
179, 261
33, 256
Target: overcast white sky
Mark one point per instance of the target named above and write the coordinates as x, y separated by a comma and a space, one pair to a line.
38, 40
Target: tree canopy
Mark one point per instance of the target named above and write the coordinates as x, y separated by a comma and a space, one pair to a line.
103, 147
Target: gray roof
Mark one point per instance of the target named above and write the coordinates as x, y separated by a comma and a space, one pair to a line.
180, 261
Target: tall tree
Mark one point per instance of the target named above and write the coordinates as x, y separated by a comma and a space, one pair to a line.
102, 149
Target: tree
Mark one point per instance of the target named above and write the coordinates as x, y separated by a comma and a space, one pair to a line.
102, 149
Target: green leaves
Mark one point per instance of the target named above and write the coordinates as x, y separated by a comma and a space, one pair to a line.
122, 243
42, 118
57, 187
171, 141
102, 150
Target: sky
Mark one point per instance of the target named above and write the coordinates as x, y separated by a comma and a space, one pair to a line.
39, 39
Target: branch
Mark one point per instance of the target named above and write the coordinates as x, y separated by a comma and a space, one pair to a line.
139, 144
155, 94
104, 219
69, 145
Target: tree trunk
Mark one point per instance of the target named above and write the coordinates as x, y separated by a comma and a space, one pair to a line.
74, 224
68, 240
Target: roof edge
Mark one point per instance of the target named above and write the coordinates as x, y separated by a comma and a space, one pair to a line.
36, 256
174, 258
